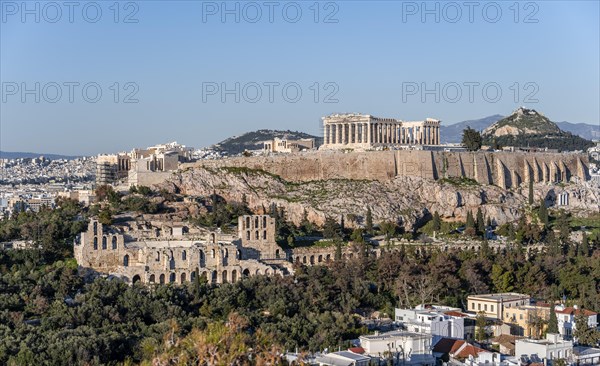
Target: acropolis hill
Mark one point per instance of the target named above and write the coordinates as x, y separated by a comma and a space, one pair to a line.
503, 169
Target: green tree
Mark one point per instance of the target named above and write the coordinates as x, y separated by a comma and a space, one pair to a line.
543, 213
552, 322
480, 325
471, 139
369, 221
530, 195
436, 225
480, 222
584, 247
105, 216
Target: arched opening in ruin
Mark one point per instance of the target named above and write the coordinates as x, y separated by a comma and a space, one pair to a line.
264, 234
126, 260
277, 253
213, 277
256, 223
193, 276
267, 272
183, 277
152, 279
256, 235
95, 228
114, 242
95, 243
161, 279
184, 255
224, 277
213, 238
172, 277
304, 259
246, 273
320, 259
233, 275
264, 221
104, 243
248, 222
312, 259
328, 258
136, 278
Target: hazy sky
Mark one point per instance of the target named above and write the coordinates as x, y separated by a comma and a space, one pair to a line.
181, 65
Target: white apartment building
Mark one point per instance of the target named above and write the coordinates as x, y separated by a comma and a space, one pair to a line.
432, 320
554, 347
406, 348
566, 319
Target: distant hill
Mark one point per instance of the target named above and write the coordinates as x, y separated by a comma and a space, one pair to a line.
453, 133
530, 128
253, 140
22, 155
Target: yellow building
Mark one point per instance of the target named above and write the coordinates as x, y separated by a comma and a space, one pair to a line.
493, 305
527, 320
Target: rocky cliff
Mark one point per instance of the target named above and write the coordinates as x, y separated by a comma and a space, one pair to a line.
406, 200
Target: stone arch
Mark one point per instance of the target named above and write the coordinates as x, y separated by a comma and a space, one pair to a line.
184, 255
104, 246
136, 278
95, 227
246, 273
152, 279
213, 277
312, 259
320, 259
233, 276
267, 272
304, 259
248, 222
183, 277
172, 277
193, 275
202, 258
264, 221
277, 253
256, 222
256, 235
224, 276
126, 260
328, 258
95, 243
114, 242
264, 236
162, 278
258, 272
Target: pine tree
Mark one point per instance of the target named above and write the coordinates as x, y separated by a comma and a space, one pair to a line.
553, 322
436, 225
369, 221
543, 213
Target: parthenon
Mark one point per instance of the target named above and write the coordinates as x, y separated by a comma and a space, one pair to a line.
364, 131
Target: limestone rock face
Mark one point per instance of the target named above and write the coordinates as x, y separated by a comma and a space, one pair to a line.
405, 200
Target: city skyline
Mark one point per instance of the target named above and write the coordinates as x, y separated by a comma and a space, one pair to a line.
173, 81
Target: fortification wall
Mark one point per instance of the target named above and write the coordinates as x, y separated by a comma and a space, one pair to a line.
504, 169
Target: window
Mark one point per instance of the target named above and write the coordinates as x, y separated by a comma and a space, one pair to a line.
478, 306
126, 261
472, 306
104, 243
264, 221
95, 243
114, 242
492, 308
95, 228
256, 235
157, 256
485, 307
183, 255
264, 234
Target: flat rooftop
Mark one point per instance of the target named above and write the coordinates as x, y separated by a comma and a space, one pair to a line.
505, 296
395, 334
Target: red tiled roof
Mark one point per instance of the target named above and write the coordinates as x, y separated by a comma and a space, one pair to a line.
572, 311
456, 313
468, 350
448, 345
358, 350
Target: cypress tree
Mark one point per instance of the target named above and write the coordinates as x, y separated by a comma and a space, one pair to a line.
470, 220
543, 213
553, 322
531, 191
437, 222
480, 222
369, 221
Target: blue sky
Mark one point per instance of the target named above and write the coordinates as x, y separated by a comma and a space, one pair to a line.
180, 58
